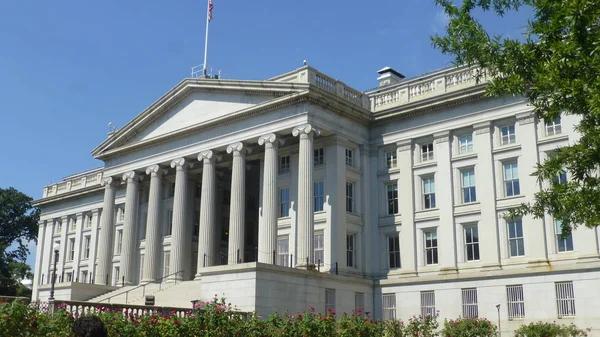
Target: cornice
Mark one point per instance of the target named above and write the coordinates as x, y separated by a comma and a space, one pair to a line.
67, 195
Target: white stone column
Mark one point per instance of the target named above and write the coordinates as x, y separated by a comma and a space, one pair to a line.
306, 225
237, 208
207, 236
64, 246
179, 244
94, 245
406, 200
128, 252
77, 255
106, 236
39, 256
267, 230
153, 224
444, 198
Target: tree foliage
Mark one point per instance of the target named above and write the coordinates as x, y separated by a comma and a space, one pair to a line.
555, 67
18, 226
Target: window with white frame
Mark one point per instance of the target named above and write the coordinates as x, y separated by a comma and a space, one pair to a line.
283, 251
284, 164
359, 302
431, 247
468, 186
329, 300
428, 192
284, 202
516, 245
471, 243
554, 127
319, 246
169, 222
142, 257
351, 250
391, 159
563, 243
469, 303
57, 227
121, 214
561, 178
427, 303
319, 156
465, 144
69, 277
392, 199
71, 255
84, 276
119, 241
73, 225
349, 157
350, 197
116, 275
88, 221
507, 135
511, 179
167, 263
86, 246
427, 152
319, 195
515, 302
389, 307
565, 299
394, 251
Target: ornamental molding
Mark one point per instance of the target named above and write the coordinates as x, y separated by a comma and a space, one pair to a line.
270, 140
305, 130
442, 137
526, 118
238, 148
482, 128
404, 145
181, 164
208, 156
131, 177
156, 170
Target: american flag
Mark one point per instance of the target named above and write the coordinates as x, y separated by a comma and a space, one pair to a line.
210, 9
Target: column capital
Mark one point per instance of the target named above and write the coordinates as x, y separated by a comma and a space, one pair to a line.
238, 148
270, 140
131, 177
156, 170
208, 156
404, 145
442, 137
95, 211
526, 118
305, 130
181, 164
482, 128
108, 182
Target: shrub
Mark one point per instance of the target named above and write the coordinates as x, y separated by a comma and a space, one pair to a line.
469, 327
541, 329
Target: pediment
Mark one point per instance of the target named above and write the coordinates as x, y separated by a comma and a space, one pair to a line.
191, 103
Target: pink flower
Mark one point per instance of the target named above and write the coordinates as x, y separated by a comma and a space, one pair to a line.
311, 309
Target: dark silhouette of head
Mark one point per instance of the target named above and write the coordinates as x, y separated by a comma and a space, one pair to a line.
89, 326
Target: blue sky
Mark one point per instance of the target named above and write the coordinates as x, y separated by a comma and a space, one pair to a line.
68, 68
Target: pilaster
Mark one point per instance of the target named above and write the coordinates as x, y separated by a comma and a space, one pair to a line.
406, 200
78, 237
445, 203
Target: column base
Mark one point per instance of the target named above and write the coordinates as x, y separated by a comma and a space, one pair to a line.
148, 280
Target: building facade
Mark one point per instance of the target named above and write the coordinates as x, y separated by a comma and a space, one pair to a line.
300, 191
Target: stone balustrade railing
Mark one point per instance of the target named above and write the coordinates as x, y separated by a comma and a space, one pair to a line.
80, 181
312, 76
427, 86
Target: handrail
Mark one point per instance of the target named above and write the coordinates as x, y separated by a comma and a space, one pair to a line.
159, 281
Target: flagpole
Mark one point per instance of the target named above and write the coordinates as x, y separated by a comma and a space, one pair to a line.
206, 39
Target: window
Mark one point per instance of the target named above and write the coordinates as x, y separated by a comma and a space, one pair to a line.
58, 227
427, 303
561, 178
71, 255
468, 186
319, 196
350, 250
142, 256
84, 276
169, 227
563, 243
389, 307
167, 263
284, 164
359, 302
471, 243
283, 251
319, 156
554, 127
515, 301
427, 152
116, 275
565, 299
511, 179
319, 245
284, 202
329, 300
69, 277
507, 135
121, 213
391, 159
394, 251
469, 303
428, 193
349, 157
465, 144
88, 221
392, 199
86, 247
350, 197
516, 246
73, 225
119, 241
431, 247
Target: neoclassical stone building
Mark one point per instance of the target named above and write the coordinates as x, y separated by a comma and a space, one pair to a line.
300, 191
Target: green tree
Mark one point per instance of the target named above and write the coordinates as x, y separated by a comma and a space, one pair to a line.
555, 67
18, 226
